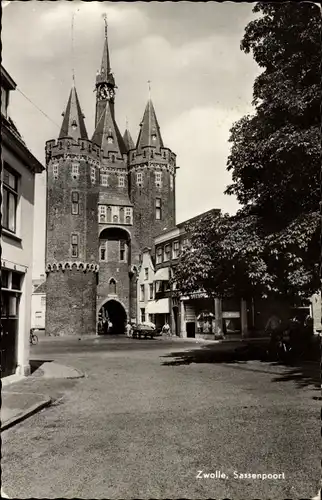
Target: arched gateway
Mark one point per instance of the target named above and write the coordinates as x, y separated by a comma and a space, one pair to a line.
112, 313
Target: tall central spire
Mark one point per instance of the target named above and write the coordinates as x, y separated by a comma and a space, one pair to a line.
106, 134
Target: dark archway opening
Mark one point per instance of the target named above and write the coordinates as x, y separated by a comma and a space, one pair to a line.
112, 317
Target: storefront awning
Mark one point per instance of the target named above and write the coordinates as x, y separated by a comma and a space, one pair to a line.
158, 307
162, 274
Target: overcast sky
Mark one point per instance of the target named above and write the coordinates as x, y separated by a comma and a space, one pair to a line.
201, 82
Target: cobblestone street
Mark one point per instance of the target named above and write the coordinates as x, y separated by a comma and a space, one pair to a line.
138, 426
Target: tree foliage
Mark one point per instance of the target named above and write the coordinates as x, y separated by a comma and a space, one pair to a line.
272, 245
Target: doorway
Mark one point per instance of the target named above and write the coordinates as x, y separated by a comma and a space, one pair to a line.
191, 329
112, 318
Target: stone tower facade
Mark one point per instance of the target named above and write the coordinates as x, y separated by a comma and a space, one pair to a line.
106, 200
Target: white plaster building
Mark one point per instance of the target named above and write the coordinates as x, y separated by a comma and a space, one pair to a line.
19, 167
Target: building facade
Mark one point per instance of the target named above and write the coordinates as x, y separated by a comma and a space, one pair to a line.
107, 198
19, 168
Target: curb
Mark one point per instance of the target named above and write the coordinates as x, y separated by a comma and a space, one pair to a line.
27, 413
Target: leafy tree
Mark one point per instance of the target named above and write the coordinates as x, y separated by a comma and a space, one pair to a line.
272, 245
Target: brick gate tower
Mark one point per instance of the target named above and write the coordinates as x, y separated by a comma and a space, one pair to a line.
106, 200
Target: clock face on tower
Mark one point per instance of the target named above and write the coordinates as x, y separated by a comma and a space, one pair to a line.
104, 92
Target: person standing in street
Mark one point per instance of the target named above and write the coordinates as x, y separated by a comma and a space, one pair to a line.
129, 330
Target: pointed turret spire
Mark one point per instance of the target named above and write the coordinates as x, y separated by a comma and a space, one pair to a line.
107, 135
149, 134
73, 122
127, 139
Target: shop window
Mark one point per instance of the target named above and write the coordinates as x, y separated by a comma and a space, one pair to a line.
75, 203
9, 199
16, 281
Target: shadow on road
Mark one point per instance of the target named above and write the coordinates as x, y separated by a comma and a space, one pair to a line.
303, 373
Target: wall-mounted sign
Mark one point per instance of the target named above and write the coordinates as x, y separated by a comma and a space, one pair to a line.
230, 314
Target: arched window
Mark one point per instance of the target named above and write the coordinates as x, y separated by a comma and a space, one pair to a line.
122, 215
113, 158
109, 214
112, 286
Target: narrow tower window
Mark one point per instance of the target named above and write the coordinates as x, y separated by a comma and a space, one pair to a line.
102, 213
109, 214
122, 215
74, 240
55, 170
103, 251
158, 179
93, 175
123, 255
158, 208
75, 170
171, 182
104, 179
75, 203
139, 179
121, 179
128, 215
112, 286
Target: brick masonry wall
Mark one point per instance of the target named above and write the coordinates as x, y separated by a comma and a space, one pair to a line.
146, 227
71, 303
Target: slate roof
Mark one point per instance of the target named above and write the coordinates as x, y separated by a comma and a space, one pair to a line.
73, 123
149, 134
121, 199
107, 127
128, 141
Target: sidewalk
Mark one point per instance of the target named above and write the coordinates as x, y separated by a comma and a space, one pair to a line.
17, 406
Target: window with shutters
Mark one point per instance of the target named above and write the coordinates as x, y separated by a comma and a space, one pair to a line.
74, 242
75, 203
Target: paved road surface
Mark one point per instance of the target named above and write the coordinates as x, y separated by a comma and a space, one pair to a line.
151, 414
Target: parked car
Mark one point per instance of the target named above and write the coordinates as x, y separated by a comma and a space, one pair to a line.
144, 330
